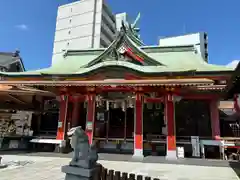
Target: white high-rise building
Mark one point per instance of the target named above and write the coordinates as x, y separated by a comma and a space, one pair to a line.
83, 24
121, 17
200, 40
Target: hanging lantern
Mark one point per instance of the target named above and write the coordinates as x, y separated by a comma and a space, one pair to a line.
98, 104
124, 106
115, 105
107, 105
97, 101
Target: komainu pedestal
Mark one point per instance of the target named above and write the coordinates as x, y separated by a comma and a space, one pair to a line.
84, 161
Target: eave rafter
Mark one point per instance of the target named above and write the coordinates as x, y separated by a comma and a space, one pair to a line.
13, 90
15, 98
115, 82
211, 88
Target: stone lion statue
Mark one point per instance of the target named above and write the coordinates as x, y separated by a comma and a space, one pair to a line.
83, 155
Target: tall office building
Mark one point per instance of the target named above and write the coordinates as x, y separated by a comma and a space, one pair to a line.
83, 24
200, 40
121, 17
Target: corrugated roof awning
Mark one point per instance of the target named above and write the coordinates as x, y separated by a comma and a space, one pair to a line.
9, 89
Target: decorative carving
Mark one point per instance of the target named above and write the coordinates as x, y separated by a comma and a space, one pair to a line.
84, 156
122, 49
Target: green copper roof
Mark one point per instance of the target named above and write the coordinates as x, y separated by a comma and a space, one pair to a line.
178, 61
156, 60
171, 59
185, 58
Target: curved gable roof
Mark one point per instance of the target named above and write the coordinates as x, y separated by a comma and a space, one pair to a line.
124, 41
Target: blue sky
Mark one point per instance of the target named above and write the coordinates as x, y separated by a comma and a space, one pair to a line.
29, 25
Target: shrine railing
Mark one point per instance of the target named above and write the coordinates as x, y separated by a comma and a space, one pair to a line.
105, 174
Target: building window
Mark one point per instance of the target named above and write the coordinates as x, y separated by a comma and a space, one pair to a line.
205, 36
205, 45
70, 20
68, 44
71, 9
69, 32
206, 55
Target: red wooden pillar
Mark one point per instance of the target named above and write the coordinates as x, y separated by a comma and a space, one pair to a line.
170, 120
75, 112
62, 120
90, 116
215, 119
138, 126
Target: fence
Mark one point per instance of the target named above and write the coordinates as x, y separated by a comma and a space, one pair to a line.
105, 174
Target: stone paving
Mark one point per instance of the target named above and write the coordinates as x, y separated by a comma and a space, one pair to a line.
49, 168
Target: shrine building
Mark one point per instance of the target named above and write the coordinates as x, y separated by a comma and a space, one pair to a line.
133, 97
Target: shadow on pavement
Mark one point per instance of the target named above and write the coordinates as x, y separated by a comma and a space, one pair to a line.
12, 152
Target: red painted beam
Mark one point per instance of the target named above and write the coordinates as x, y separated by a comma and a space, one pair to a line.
196, 96
79, 98
153, 100
233, 147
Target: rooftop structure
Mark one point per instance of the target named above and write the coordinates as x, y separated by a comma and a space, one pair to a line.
199, 40
121, 17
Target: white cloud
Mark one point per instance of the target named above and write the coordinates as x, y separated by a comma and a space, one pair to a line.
233, 64
22, 27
